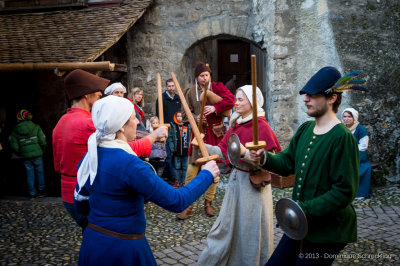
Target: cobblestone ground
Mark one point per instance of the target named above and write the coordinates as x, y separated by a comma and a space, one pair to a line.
40, 232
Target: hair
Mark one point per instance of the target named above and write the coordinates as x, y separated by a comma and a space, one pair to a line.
348, 112
338, 101
154, 118
167, 81
132, 95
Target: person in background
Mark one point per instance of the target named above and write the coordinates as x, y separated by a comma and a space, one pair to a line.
71, 134
29, 142
213, 125
138, 102
179, 141
113, 184
116, 89
158, 150
171, 104
350, 119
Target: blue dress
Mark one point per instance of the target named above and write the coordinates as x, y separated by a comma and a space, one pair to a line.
364, 189
116, 199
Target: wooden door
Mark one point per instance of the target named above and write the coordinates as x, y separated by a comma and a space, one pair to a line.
234, 62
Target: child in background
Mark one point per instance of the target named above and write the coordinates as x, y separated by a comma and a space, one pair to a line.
178, 141
158, 152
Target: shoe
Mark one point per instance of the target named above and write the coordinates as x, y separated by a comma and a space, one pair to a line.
42, 194
176, 184
186, 213
32, 197
208, 208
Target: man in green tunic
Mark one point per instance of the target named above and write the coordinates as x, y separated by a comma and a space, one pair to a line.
323, 155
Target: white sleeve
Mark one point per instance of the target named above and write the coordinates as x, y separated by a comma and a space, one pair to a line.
363, 144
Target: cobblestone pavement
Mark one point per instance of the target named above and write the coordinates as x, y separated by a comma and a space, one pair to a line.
40, 232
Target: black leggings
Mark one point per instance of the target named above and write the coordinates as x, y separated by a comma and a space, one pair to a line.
288, 253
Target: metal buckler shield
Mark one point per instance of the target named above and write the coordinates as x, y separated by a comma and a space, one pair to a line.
234, 149
291, 219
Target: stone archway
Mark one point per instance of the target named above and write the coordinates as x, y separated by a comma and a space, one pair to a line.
207, 50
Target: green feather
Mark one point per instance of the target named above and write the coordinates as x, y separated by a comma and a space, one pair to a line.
357, 81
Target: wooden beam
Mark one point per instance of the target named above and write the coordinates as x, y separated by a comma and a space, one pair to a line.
60, 67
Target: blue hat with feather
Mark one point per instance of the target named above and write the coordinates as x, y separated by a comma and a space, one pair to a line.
329, 80
323, 80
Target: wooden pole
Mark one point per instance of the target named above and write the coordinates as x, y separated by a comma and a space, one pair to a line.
254, 83
256, 144
65, 66
160, 100
192, 122
160, 106
203, 104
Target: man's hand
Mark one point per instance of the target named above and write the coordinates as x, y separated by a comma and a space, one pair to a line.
257, 156
209, 109
159, 133
213, 168
198, 119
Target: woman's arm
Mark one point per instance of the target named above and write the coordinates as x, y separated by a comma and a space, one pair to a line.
145, 182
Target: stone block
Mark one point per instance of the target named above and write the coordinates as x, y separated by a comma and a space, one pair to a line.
202, 30
215, 27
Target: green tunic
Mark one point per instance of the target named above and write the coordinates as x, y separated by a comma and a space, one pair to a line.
326, 168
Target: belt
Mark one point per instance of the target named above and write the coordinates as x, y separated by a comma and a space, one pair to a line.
251, 172
115, 234
254, 172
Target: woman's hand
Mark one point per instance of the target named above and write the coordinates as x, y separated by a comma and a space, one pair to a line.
159, 133
242, 150
213, 168
257, 156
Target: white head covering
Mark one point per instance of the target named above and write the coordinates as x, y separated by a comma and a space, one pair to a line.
109, 114
353, 112
248, 90
110, 89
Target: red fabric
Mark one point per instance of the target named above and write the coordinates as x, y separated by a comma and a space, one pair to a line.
70, 138
141, 113
245, 134
142, 147
227, 103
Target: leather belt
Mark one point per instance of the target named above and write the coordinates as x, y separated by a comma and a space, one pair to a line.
253, 172
115, 234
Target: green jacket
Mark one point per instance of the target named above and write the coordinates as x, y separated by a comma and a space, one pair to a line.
28, 140
326, 168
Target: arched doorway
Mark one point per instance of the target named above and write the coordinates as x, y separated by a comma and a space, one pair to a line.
229, 58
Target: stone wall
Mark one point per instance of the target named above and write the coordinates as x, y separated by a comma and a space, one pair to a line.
161, 39
367, 36
297, 38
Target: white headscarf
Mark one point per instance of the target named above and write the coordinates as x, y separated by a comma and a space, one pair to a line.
248, 90
353, 112
110, 89
109, 115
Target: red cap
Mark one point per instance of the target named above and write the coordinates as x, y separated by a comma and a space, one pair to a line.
79, 83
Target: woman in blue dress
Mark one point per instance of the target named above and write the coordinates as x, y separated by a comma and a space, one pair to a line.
350, 119
113, 184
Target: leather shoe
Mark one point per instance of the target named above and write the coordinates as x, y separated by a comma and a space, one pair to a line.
185, 214
208, 208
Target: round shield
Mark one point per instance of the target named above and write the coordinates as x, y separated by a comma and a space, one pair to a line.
234, 149
291, 219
